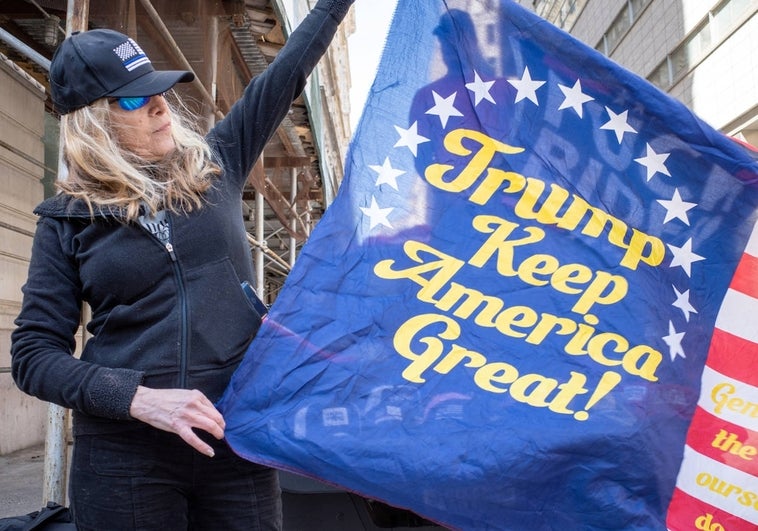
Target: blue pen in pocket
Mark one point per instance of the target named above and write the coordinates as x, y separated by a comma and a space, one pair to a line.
258, 304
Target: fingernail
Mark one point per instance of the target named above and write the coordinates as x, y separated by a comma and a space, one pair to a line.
211, 453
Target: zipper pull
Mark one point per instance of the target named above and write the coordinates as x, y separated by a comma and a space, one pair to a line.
170, 249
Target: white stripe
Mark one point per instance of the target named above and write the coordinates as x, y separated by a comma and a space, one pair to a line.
739, 315
729, 399
700, 475
135, 64
752, 244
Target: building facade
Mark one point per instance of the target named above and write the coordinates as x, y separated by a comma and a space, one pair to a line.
22, 170
701, 52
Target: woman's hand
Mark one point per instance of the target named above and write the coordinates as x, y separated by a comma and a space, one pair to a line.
178, 411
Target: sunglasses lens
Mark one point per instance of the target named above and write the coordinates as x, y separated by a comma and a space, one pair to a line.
132, 104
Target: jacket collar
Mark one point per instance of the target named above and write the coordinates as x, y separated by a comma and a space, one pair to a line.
67, 207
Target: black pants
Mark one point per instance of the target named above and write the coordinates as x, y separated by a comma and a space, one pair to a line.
150, 479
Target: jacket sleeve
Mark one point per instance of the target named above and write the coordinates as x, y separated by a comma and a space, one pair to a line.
43, 341
240, 137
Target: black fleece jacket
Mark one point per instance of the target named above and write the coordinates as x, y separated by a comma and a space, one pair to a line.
162, 316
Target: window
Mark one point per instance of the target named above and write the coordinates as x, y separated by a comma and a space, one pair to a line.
636, 7
562, 13
661, 76
715, 27
628, 15
618, 28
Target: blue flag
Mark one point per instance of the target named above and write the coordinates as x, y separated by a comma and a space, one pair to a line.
537, 277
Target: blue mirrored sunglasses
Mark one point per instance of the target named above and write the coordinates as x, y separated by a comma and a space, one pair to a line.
132, 103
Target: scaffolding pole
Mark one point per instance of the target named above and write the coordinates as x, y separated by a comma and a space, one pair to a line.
293, 223
56, 434
260, 236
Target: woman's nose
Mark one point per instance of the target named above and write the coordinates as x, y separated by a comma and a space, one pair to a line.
158, 104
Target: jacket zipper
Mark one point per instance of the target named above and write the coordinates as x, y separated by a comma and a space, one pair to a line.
183, 308
183, 355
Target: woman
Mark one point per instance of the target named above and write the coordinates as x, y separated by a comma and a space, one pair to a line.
147, 230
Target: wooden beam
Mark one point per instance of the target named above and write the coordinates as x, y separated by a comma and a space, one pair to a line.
158, 23
286, 162
77, 16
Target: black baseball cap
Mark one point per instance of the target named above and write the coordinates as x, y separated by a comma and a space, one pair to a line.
100, 63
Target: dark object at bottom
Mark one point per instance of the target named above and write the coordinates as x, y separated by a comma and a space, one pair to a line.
52, 517
309, 505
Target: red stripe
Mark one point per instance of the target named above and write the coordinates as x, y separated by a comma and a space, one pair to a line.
745, 279
727, 443
734, 357
687, 514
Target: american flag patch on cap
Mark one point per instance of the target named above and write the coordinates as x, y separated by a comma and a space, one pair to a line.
131, 55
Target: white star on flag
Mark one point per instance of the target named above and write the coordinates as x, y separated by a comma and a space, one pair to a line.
654, 162
683, 303
676, 208
574, 97
410, 138
377, 216
684, 257
444, 108
387, 174
674, 341
526, 87
481, 89
618, 124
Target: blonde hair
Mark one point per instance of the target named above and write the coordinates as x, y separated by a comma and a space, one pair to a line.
103, 174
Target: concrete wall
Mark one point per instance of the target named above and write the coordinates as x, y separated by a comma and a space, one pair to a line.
22, 119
